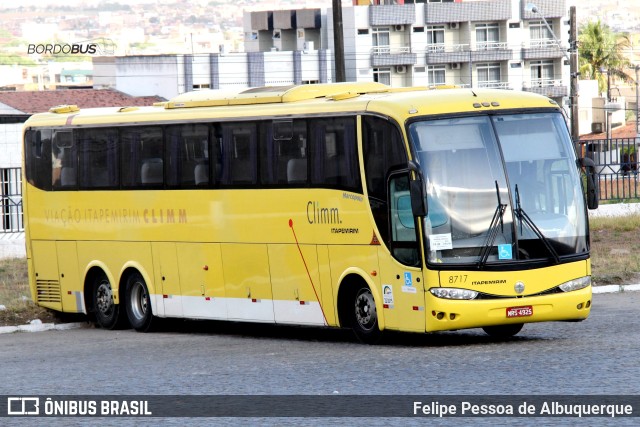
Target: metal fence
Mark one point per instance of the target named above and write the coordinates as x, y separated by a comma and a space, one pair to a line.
617, 166
11, 200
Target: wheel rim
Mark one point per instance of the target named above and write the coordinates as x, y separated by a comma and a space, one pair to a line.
139, 301
365, 310
104, 298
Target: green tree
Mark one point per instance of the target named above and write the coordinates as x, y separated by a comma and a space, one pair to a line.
601, 51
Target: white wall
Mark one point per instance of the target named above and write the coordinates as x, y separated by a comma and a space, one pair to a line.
10, 147
278, 68
233, 71
104, 72
150, 75
201, 70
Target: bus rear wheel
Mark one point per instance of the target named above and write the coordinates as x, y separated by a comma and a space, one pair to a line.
364, 321
107, 312
503, 331
138, 303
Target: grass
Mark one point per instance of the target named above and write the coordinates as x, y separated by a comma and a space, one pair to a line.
615, 250
15, 295
615, 259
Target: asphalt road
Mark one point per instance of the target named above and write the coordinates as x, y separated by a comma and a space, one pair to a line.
598, 356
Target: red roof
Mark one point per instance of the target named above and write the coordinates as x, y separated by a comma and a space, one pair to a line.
31, 102
626, 131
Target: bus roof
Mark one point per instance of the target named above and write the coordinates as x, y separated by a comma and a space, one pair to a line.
400, 103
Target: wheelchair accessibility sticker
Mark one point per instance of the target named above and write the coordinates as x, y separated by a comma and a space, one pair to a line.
408, 284
505, 251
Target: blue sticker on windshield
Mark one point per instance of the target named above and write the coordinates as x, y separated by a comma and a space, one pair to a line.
505, 251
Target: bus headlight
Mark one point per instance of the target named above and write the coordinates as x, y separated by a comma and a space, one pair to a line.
575, 284
453, 293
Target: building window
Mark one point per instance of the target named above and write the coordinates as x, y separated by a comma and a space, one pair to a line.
382, 75
435, 38
489, 75
487, 36
381, 43
436, 75
542, 73
540, 35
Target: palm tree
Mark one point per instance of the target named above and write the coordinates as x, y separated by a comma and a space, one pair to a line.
601, 51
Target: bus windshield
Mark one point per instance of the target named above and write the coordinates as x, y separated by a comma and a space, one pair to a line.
500, 188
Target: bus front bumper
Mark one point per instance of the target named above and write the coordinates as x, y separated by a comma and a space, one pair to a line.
446, 314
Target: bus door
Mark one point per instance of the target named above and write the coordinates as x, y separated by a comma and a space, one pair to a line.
167, 277
202, 281
401, 275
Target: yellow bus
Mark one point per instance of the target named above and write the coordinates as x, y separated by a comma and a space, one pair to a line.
347, 205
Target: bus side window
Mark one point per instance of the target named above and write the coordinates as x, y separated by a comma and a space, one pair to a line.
404, 241
283, 153
99, 162
383, 150
334, 154
63, 160
239, 154
38, 149
187, 155
142, 156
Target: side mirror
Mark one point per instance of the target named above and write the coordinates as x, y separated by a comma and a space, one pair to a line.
592, 186
418, 201
416, 188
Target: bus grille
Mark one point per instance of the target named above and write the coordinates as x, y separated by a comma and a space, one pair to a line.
48, 291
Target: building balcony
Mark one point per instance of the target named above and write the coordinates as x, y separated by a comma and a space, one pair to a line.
542, 49
385, 56
552, 88
546, 8
439, 53
491, 51
392, 14
261, 21
493, 84
308, 18
485, 52
487, 10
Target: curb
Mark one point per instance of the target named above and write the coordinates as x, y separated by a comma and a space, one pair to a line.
37, 326
609, 289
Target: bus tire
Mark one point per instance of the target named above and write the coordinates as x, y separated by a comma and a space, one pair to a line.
364, 316
107, 312
138, 303
503, 331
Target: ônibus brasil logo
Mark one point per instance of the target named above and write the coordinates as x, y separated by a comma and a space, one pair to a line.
100, 46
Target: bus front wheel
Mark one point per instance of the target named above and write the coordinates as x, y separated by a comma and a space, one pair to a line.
503, 331
106, 310
364, 320
138, 303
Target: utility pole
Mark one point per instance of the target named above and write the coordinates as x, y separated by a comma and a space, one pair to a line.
338, 41
573, 71
637, 107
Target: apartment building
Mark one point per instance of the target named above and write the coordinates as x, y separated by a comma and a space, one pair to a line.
506, 44
171, 75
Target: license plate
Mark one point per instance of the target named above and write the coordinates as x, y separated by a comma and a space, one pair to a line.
523, 311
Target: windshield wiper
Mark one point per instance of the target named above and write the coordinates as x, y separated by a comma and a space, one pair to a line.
523, 217
493, 229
